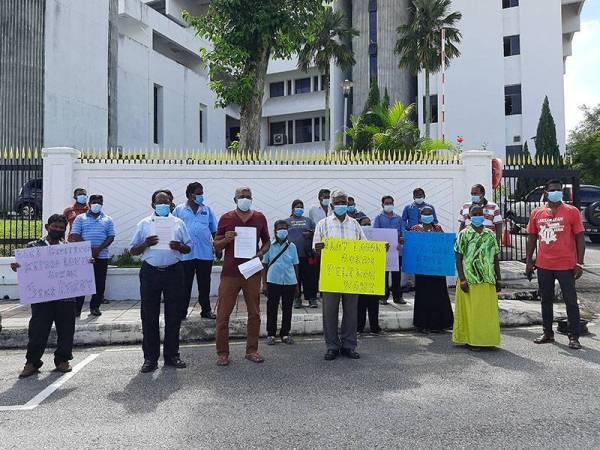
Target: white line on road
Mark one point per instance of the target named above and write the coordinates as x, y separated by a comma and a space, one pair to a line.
39, 398
10, 308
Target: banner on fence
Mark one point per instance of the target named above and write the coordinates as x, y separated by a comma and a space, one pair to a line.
55, 272
428, 253
353, 267
389, 235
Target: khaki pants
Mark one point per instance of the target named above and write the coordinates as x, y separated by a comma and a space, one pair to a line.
229, 290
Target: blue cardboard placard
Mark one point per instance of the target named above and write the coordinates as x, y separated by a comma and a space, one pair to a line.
429, 253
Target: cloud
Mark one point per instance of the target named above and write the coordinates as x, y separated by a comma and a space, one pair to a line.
582, 79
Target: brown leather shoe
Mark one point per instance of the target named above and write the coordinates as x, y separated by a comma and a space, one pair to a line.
574, 343
29, 370
545, 338
63, 367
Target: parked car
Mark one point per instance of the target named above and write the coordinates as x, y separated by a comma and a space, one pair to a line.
589, 202
29, 201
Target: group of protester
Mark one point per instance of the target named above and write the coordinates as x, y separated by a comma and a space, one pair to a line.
291, 262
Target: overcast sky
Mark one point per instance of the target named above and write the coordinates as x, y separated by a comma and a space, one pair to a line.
582, 80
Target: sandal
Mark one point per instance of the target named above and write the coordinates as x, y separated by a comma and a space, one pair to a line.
255, 357
287, 340
223, 360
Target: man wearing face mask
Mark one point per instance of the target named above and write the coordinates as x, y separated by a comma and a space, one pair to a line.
389, 219
59, 312
491, 212
323, 209
232, 281
201, 223
353, 210
339, 226
412, 211
99, 229
161, 274
557, 231
79, 207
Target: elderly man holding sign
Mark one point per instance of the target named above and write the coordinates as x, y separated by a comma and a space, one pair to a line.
350, 265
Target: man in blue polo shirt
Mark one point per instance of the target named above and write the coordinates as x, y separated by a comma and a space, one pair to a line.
412, 212
99, 229
201, 224
389, 219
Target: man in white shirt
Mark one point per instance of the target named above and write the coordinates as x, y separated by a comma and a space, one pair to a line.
340, 226
323, 209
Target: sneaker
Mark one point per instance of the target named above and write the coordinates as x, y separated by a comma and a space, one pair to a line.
287, 340
271, 340
400, 301
545, 338
298, 303
574, 343
313, 303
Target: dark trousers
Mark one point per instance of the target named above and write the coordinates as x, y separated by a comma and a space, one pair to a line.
79, 305
153, 283
309, 278
370, 304
100, 268
331, 306
285, 293
395, 287
566, 280
62, 314
201, 270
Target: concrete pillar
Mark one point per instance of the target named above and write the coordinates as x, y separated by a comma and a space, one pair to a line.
478, 170
59, 165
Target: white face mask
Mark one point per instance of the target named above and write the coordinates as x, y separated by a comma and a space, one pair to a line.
244, 204
325, 202
388, 208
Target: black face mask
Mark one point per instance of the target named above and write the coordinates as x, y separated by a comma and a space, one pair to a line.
56, 235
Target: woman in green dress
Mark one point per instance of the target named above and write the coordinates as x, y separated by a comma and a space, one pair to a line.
476, 321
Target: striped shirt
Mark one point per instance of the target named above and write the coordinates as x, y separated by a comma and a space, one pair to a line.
491, 214
94, 229
332, 227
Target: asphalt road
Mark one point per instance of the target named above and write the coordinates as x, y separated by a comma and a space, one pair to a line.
408, 391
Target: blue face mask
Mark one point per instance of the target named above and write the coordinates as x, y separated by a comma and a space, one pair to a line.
427, 218
477, 220
162, 210
475, 198
244, 204
340, 210
95, 208
351, 209
199, 199
555, 196
298, 212
82, 199
281, 234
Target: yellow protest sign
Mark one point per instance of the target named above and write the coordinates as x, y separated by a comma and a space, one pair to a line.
353, 267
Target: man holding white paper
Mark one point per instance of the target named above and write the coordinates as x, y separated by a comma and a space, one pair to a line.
161, 240
238, 233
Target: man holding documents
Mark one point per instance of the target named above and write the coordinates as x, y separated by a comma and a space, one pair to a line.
161, 240
339, 226
238, 233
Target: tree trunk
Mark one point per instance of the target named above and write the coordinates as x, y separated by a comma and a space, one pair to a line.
327, 131
251, 113
427, 106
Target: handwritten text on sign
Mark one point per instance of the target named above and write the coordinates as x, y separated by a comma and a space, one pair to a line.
429, 253
353, 267
55, 272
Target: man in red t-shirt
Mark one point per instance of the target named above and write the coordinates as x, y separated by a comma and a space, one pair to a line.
556, 229
232, 281
79, 207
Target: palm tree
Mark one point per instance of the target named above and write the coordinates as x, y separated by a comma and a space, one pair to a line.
398, 131
419, 43
327, 41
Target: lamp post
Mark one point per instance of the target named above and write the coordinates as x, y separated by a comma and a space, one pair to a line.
346, 89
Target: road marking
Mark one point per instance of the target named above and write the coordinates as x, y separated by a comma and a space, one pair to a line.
39, 398
10, 308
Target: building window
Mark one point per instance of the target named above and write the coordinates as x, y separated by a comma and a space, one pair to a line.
513, 150
373, 67
512, 99
509, 3
372, 5
372, 40
317, 129
158, 114
290, 132
372, 26
278, 133
303, 131
201, 122
276, 89
323, 82
315, 83
434, 109
302, 86
512, 45
323, 128
289, 87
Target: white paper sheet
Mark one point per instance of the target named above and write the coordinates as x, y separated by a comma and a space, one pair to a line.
390, 236
245, 242
251, 267
164, 228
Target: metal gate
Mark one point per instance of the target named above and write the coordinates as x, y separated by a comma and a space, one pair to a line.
20, 198
521, 191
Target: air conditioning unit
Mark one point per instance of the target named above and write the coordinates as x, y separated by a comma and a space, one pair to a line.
516, 139
279, 139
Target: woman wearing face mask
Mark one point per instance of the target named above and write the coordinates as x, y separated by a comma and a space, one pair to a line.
476, 321
432, 311
301, 230
491, 212
281, 277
